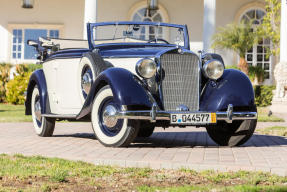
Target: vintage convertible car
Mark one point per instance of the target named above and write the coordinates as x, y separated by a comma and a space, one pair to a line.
129, 77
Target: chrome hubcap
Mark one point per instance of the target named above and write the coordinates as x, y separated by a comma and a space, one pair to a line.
86, 82
109, 116
37, 109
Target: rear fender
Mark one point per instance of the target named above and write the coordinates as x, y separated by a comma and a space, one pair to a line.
37, 78
126, 88
234, 87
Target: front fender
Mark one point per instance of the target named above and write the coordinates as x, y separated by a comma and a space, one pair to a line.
37, 78
126, 89
234, 87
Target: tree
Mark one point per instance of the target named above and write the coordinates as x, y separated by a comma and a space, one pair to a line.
237, 37
270, 27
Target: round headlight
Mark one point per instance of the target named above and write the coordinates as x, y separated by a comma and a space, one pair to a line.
213, 69
146, 68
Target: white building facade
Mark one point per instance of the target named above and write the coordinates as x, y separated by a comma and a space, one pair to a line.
67, 19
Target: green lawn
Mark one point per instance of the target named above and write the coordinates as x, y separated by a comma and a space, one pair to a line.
263, 116
20, 173
275, 130
15, 113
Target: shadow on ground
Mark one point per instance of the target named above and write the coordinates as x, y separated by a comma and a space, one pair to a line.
189, 139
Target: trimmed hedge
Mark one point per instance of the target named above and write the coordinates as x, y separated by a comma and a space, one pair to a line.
263, 95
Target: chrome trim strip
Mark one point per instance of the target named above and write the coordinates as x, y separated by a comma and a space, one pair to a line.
59, 116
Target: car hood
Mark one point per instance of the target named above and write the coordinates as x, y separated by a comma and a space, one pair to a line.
132, 51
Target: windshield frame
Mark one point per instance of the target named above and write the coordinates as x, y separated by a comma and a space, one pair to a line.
91, 26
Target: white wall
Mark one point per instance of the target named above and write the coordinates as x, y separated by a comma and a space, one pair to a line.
3, 44
68, 13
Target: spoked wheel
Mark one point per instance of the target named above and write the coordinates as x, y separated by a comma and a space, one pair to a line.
109, 130
146, 129
233, 134
43, 126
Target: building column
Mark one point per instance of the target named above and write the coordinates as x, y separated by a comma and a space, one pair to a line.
279, 102
209, 21
90, 15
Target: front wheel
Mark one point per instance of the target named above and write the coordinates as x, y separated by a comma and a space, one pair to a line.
43, 126
146, 129
232, 134
109, 130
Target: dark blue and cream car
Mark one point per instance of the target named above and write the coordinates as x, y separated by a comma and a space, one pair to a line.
129, 77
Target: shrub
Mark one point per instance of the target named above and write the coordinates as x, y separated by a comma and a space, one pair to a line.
231, 67
34, 67
16, 88
263, 95
4, 78
256, 73
24, 68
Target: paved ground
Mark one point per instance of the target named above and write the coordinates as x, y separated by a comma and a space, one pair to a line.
172, 148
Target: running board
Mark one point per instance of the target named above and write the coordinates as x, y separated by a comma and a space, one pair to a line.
59, 116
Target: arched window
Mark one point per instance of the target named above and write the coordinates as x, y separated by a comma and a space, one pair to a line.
144, 14
257, 56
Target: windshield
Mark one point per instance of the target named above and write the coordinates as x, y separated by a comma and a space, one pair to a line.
138, 33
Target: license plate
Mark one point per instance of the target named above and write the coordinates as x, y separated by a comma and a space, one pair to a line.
193, 118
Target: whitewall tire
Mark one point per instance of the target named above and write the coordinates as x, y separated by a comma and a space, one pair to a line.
43, 126
108, 130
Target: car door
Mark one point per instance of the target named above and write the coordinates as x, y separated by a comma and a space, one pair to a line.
62, 85
68, 95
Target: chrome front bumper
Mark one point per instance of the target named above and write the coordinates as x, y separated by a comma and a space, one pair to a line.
154, 114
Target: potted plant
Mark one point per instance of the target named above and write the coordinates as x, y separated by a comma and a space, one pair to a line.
237, 37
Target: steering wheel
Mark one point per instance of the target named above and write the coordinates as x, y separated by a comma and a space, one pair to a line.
158, 39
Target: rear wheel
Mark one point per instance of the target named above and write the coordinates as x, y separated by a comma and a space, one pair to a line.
232, 134
43, 126
109, 130
146, 129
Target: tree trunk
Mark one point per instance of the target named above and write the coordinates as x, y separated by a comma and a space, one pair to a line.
243, 66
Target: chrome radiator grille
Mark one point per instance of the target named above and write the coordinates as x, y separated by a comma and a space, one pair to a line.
181, 82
